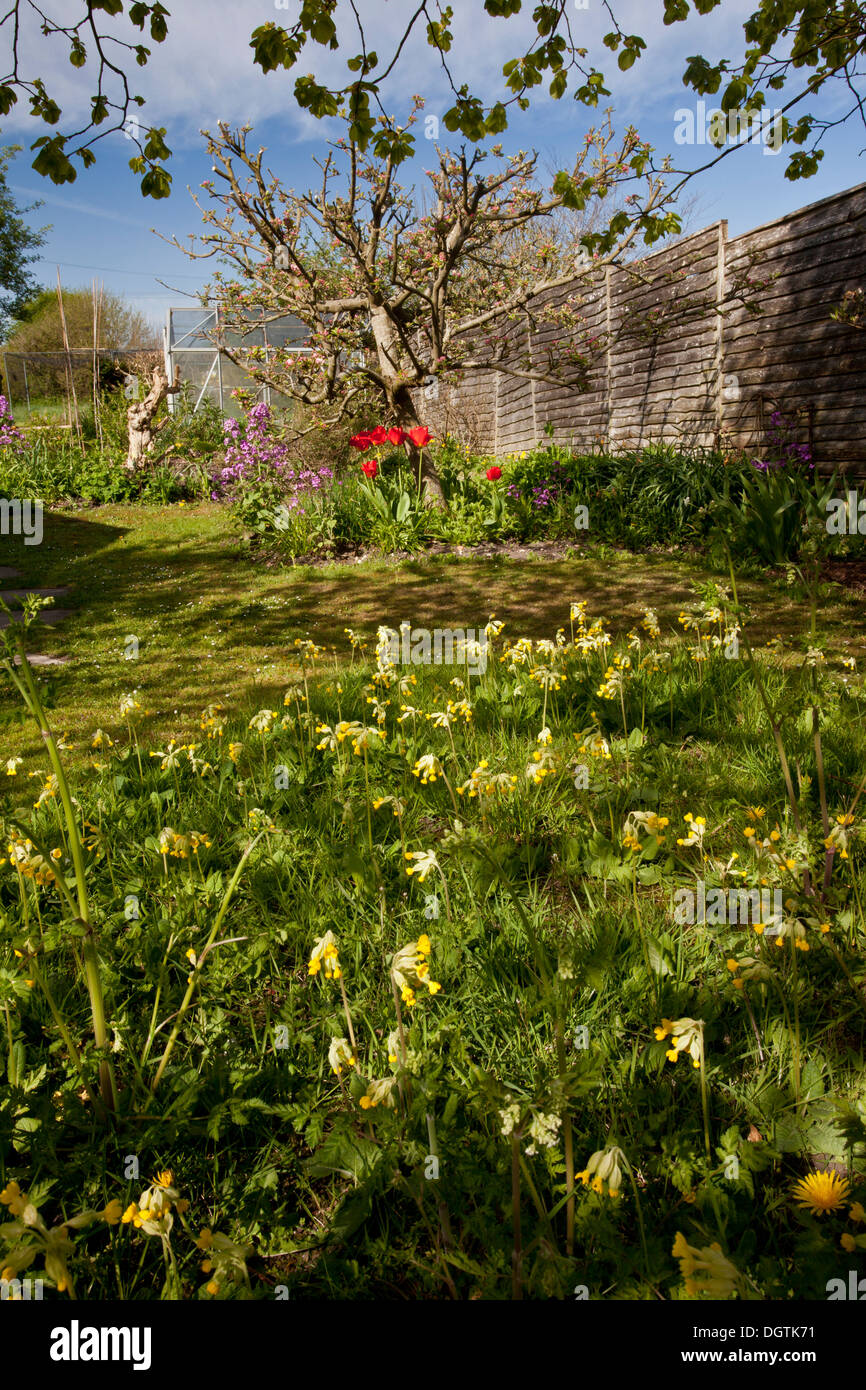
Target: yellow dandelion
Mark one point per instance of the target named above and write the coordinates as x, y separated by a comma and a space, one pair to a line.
821, 1192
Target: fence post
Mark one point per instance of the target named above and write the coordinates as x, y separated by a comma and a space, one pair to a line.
720, 342
532, 383
608, 360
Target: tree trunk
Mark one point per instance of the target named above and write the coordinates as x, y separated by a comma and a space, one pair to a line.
400, 402
406, 417
140, 417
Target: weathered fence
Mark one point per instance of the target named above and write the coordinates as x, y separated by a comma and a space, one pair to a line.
684, 359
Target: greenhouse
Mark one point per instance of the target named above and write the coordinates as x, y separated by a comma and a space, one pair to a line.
191, 336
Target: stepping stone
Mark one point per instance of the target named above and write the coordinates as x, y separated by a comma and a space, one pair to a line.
6, 572
48, 615
33, 660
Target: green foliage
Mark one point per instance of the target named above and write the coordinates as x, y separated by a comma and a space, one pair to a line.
18, 246
452, 846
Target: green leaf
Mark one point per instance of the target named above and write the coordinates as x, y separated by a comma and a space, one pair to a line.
274, 48
352, 1214
346, 1153
52, 161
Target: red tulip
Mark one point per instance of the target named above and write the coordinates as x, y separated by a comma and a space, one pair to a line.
362, 442
420, 436
370, 468
396, 436
378, 436
494, 473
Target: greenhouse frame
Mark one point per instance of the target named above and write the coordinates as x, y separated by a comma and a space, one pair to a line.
190, 345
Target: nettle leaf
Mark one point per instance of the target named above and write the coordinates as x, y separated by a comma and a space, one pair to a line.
346, 1153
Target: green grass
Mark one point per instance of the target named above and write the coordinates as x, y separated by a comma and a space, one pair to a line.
213, 623
545, 923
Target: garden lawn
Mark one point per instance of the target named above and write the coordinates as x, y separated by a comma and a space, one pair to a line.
214, 624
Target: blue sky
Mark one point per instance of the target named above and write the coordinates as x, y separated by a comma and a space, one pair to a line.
101, 225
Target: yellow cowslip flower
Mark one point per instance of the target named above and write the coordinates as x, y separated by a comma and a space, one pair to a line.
705, 1270
379, 1092
604, 1167
325, 953
205, 1238
340, 1054
212, 1288
235, 750
263, 722
113, 1212
687, 1035
422, 862
428, 768
410, 969
13, 1198
12, 766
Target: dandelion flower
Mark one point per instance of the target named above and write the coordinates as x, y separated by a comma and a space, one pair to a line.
821, 1192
